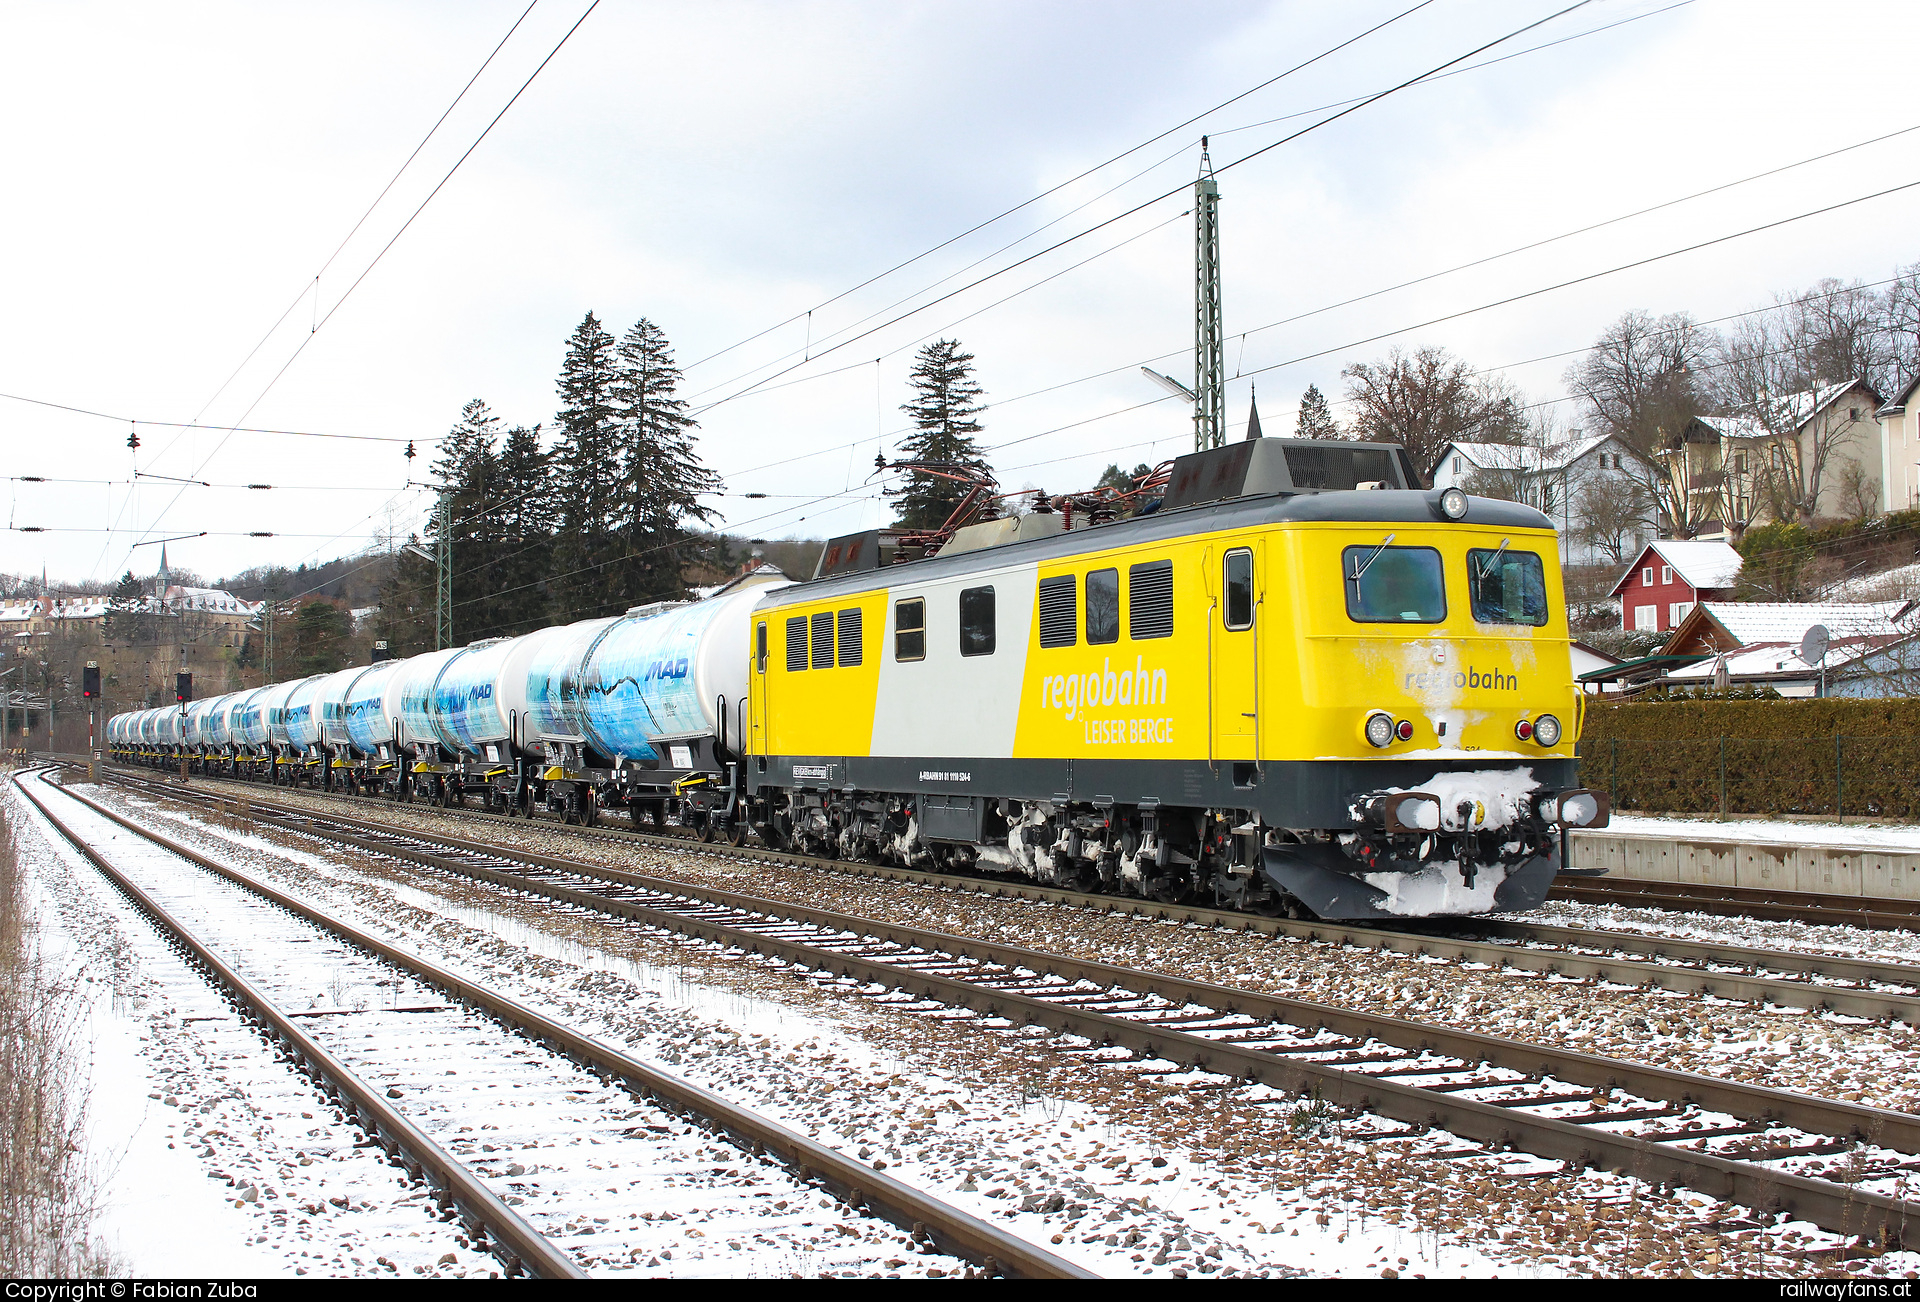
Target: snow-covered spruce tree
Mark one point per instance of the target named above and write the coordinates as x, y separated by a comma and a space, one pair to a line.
589, 489
946, 398
662, 476
1315, 422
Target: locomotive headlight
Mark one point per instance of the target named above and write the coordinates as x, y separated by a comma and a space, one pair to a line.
1453, 504
1380, 729
1546, 730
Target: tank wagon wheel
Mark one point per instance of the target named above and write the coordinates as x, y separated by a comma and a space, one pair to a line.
737, 832
704, 824
590, 810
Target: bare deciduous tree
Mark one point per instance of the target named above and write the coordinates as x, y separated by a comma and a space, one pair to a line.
1859, 491
1640, 381
1427, 400
1611, 512
1771, 373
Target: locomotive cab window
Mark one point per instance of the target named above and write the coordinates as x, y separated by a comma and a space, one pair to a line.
1238, 577
796, 644
1507, 587
760, 646
1057, 614
976, 622
1103, 607
1394, 585
910, 630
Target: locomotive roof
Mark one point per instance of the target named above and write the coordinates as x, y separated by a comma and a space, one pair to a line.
1358, 506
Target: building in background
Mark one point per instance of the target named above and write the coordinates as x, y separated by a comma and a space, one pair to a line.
1669, 578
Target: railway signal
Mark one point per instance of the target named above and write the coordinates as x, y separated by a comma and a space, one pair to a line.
183, 688
90, 680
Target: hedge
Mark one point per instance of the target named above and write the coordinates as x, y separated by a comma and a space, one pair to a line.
1826, 757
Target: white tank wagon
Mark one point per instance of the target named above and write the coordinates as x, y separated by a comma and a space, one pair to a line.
334, 744
302, 720
247, 726
640, 712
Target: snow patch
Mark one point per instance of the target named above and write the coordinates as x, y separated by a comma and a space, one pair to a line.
1499, 798
1437, 889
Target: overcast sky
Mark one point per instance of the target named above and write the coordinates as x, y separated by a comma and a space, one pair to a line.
176, 175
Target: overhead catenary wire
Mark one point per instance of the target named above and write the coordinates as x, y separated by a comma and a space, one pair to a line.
1027, 203
806, 353
1224, 167
385, 248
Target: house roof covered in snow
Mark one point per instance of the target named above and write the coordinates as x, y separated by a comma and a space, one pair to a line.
1525, 457
1703, 566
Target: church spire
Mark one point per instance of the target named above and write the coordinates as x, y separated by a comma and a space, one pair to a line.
163, 580
1253, 416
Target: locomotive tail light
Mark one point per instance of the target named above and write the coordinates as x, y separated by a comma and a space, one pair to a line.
1380, 729
1403, 730
1546, 730
1577, 808
1523, 729
1453, 504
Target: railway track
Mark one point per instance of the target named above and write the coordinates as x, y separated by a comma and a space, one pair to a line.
1854, 987
1759, 1147
637, 1116
1878, 912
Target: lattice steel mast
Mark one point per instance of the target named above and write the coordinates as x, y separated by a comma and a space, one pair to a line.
1209, 341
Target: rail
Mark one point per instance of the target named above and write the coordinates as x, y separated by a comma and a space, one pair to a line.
948, 1228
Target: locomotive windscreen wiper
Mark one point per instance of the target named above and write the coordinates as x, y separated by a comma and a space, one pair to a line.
1361, 568
1487, 566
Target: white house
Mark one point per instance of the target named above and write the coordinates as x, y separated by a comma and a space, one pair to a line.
1553, 478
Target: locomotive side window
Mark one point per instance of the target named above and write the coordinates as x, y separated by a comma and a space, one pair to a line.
850, 648
1394, 585
1507, 587
1239, 589
976, 621
823, 640
796, 644
760, 646
1103, 607
910, 630
1150, 610
1057, 614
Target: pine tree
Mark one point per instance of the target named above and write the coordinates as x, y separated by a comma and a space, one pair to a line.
1316, 422
946, 400
523, 537
663, 478
467, 474
589, 484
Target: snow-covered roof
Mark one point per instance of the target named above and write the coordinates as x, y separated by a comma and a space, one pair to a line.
1704, 566
1770, 659
1792, 412
1527, 458
180, 597
1752, 623
55, 608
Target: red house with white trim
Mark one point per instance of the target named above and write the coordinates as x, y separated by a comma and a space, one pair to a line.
1670, 578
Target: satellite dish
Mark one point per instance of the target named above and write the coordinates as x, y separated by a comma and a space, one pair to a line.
1813, 644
